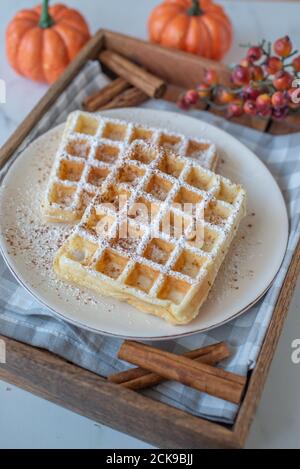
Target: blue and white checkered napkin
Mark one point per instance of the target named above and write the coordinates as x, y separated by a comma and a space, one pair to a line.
22, 318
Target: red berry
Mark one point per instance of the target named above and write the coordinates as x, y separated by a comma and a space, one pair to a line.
241, 75
280, 99
296, 64
203, 91
235, 109
249, 107
224, 96
273, 65
281, 113
245, 62
282, 80
283, 46
182, 104
211, 77
257, 73
263, 101
254, 53
191, 97
251, 92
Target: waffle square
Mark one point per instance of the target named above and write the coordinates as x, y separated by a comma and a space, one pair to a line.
91, 147
156, 234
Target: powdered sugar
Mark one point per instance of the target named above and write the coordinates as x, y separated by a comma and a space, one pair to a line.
89, 139
164, 190
32, 238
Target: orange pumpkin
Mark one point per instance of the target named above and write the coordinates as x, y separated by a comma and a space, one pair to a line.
196, 26
41, 42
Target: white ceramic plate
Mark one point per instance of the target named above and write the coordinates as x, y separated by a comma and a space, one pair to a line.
28, 245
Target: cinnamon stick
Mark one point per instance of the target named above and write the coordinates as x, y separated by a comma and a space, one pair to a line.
138, 378
129, 98
213, 353
153, 86
203, 377
101, 97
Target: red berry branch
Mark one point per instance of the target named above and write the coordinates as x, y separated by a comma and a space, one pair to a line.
263, 84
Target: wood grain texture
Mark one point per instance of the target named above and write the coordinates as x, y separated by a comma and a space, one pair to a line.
247, 411
85, 393
289, 125
249, 121
175, 67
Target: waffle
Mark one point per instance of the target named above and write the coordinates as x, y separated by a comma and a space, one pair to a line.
138, 242
91, 147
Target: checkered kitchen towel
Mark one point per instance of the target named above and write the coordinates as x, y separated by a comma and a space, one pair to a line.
22, 318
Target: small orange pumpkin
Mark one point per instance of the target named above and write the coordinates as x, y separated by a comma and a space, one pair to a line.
196, 26
41, 42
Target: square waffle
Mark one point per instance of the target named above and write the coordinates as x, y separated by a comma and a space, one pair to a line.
156, 234
91, 147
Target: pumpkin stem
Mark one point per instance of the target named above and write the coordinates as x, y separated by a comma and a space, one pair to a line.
195, 9
46, 20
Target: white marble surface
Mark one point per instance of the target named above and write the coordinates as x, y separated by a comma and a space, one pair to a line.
29, 422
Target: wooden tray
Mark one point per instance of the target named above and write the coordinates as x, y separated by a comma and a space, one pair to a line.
81, 391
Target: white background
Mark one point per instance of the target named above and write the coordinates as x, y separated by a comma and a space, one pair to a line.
29, 422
